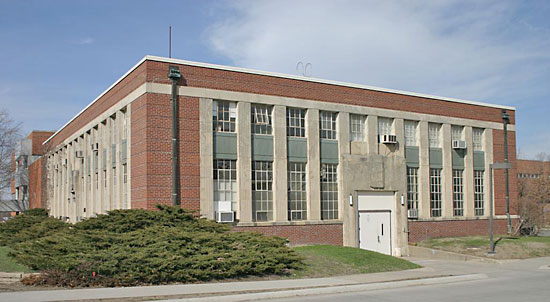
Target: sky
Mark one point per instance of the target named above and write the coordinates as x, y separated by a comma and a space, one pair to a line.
58, 56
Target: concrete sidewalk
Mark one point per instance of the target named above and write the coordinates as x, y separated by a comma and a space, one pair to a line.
241, 291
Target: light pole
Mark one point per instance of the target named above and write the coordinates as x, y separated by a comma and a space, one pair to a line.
495, 166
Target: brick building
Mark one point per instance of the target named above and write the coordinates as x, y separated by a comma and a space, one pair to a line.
25, 161
534, 177
311, 160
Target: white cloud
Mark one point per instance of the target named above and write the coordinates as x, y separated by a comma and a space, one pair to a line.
479, 50
85, 41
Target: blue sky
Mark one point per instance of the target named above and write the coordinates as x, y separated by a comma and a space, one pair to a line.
57, 56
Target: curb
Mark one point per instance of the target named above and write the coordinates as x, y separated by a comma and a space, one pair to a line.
332, 290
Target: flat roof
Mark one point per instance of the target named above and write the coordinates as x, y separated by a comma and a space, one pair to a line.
279, 75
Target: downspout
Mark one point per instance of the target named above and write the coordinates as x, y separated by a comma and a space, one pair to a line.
174, 75
506, 120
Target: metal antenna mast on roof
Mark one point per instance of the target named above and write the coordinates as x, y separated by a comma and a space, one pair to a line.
170, 41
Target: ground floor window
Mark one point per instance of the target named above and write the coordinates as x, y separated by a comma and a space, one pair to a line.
435, 192
297, 197
412, 188
225, 181
262, 190
329, 191
479, 193
458, 193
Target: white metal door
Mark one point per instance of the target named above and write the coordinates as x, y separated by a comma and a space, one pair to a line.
375, 231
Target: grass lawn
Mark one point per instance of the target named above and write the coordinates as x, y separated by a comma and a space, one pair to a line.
328, 260
506, 247
8, 265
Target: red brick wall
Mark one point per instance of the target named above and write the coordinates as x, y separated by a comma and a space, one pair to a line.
152, 140
302, 234
37, 183
499, 175
37, 138
262, 84
422, 230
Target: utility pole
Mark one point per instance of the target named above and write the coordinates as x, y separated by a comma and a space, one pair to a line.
506, 121
174, 75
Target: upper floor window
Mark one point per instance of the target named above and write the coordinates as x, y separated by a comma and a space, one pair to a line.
477, 135
295, 122
261, 119
224, 115
410, 133
357, 127
456, 133
327, 124
434, 135
385, 126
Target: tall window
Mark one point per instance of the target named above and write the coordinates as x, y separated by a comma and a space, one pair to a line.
385, 126
224, 115
357, 127
435, 192
327, 124
479, 206
261, 119
124, 186
458, 193
114, 196
262, 190
434, 135
456, 133
477, 135
412, 188
329, 191
297, 197
295, 122
410, 133
225, 181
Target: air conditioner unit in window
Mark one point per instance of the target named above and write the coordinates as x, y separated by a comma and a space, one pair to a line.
459, 144
95, 147
412, 213
65, 162
225, 216
388, 139
79, 154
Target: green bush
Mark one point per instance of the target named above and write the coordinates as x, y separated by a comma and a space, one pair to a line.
31, 224
133, 247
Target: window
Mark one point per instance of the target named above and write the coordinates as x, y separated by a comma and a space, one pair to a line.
327, 124
410, 133
477, 135
357, 127
262, 190
224, 115
412, 188
329, 191
385, 126
295, 122
478, 193
434, 135
261, 119
435, 192
114, 196
297, 197
124, 186
225, 181
456, 133
458, 193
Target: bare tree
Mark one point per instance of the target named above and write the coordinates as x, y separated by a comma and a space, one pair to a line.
534, 198
9, 136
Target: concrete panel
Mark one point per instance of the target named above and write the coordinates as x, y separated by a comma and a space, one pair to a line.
280, 194
412, 156
469, 174
458, 158
479, 160
488, 147
372, 134
447, 173
436, 158
314, 166
244, 163
424, 172
399, 128
359, 148
206, 159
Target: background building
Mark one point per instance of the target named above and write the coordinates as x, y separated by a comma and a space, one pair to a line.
311, 160
534, 191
